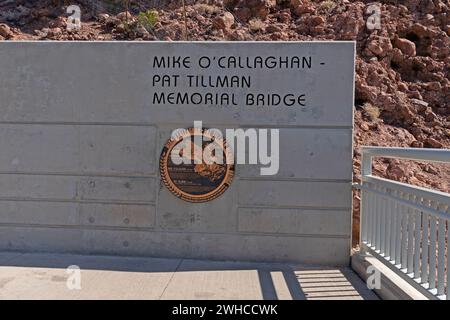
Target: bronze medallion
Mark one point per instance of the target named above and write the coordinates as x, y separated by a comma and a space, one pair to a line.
193, 182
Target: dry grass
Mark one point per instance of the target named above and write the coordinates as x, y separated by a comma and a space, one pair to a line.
371, 111
256, 25
327, 5
204, 8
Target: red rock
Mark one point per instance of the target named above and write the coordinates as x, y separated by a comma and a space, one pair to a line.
230, 4
103, 17
273, 28
395, 172
120, 28
375, 48
433, 143
59, 22
406, 46
429, 114
365, 127
416, 144
5, 31
318, 29
260, 8
111, 22
284, 16
224, 21
238, 35
123, 16
317, 20
430, 169
402, 86
299, 7
54, 32
247, 9
419, 30
243, 14
433, 86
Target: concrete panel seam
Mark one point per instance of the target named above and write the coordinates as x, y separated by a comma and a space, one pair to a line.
155, 230
154, 124
343, 209
80, 174
93, 201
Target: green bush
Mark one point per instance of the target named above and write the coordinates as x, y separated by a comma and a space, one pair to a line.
148, 19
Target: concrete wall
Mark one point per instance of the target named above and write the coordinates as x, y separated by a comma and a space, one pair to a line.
80, 142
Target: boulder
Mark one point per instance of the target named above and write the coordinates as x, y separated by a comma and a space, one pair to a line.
407, 47
299, 7
224, 21
5, 31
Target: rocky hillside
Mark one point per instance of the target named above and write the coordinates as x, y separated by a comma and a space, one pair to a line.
402, 81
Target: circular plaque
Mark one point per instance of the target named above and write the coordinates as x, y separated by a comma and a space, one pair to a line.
196, 181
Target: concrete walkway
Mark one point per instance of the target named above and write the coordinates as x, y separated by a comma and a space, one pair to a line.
44, 276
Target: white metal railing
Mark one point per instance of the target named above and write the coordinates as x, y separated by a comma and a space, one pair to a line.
405, 226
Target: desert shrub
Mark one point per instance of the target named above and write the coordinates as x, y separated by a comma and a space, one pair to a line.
204, 8
256, 25
148, 19
371, 111
327, 5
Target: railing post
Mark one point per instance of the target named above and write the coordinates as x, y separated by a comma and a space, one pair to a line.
366, 169
366, 164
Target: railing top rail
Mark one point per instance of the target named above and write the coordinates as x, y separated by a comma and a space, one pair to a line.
429, 194
443, 199
434, 155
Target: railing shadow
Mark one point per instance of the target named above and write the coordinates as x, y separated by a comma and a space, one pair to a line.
333, 284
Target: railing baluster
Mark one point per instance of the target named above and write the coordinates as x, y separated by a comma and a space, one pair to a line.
363, 215
410, 266
369, 216
424, 269
377, 223
398, 236
383, 224
432, 269
373, 204
372, 218
441, 256
388, 224
417, 238
404, 236
393, 221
